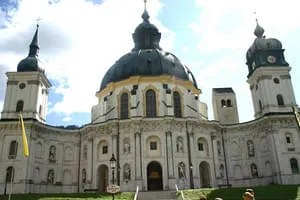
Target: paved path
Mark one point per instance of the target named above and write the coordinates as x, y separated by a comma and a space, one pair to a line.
157, 195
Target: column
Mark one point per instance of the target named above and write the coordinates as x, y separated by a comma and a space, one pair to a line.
170, 159
138, 172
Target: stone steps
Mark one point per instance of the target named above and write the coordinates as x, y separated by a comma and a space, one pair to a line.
157, 195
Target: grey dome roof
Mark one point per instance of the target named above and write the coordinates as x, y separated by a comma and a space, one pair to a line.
31, 62
146, 58
262, 43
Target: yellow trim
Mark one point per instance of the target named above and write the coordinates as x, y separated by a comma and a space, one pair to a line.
135, 80
151, 87
124, 90
176, 89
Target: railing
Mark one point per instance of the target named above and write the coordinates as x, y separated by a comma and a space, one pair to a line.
136, 193
181, 192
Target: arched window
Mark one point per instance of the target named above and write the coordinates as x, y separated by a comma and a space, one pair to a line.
10, 173
280, 100
124, 106
50, 177
228, 103
177, 104
19, 107
223, 103
13, 149
150, 103
260, 105
294, 166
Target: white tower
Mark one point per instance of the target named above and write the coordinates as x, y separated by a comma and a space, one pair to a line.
225, 106
27, 89
269, 77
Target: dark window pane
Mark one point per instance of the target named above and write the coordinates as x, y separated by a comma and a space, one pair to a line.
19, 107
177, 104
13, 149
153, 146
105, 149
200, 147
280, 100
150, 103
294, 166
124, 106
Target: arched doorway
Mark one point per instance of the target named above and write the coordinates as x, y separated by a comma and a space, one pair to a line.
102, 178
154, 176
204, 175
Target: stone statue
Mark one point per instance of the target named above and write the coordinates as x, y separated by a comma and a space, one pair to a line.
250, 146
126, 147
50, 178
52, 154
126, 173
254, 172
181, 170
179, 145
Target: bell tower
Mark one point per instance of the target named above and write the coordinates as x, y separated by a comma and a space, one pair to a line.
225, 106
27, 89
269, 76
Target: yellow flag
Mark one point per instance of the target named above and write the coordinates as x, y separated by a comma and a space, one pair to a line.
297, 115
24, 138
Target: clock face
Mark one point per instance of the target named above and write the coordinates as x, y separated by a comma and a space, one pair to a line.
271, 59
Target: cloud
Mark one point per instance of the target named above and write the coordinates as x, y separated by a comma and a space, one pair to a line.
79, 41
66, 119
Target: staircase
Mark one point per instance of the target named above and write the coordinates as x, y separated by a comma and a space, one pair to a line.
157, 195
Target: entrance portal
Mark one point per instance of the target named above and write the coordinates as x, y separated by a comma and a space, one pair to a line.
102, 178
154, 176
204, 175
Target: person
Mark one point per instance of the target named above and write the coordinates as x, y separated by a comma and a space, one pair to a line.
202, 197
248, 196
251, 191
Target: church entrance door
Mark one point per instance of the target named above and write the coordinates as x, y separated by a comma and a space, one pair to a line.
204, 175
102, 178
154, 176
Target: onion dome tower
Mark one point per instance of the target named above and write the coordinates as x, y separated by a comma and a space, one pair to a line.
269, 77
146, 58
147, 70
31, 62
27, 89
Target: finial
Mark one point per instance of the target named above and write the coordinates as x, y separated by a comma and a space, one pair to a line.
259, 31
145, 15
34, 46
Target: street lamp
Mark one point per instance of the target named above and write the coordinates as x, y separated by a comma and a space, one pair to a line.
191, 176
113, 164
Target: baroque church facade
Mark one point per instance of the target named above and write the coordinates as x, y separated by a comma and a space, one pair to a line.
149, 115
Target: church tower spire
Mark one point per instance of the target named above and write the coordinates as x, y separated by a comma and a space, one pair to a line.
269, 77
27, 89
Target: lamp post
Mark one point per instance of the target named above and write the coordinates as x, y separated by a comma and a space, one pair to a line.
113, 163
191, 176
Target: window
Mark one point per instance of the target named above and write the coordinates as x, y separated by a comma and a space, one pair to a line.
150, 103
153, 145
19, 107
223, 104
294, 166
13, 149
280, 100
276, 80
228, 104
177, 104
200, 146
288, 139
10, 172
124, 106
260, 106
104, 149
40, 109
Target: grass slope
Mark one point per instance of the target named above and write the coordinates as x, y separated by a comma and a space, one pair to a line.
77, 196
272, 192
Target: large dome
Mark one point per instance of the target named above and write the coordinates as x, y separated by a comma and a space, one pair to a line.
146, 58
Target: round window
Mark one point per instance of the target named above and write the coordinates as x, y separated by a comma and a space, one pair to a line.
276, 80
22, 86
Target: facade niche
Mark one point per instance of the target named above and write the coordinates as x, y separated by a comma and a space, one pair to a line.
52, 154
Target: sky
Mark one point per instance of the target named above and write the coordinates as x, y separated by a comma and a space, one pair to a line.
81, 39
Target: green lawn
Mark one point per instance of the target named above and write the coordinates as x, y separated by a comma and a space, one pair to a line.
273, 192
77, 196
